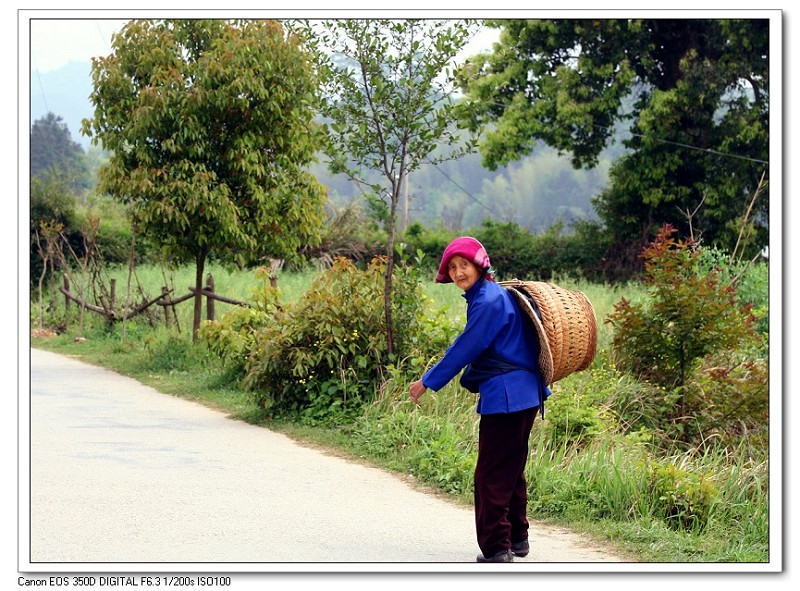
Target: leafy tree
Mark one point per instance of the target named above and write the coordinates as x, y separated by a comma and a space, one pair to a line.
386, 106
54, 153
210, 128
694, 93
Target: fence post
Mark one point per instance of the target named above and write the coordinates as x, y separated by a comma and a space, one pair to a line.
209, 299
114, 295
66, 298
166, 298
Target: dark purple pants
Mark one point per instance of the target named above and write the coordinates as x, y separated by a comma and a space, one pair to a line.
501, 495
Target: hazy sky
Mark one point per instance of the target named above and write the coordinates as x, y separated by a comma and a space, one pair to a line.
59, 36
55, 42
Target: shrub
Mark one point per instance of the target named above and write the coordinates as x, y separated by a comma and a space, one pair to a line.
684, 499
431, 242
689, 316
516, 253
234, 336
320, 359
579, 411
727, 397
751, 280
114, 232
511, 249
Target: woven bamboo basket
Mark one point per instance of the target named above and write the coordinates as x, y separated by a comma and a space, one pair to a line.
567, 329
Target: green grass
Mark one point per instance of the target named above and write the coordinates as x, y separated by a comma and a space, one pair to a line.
599, 489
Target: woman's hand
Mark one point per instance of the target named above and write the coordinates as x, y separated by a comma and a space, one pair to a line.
416, 390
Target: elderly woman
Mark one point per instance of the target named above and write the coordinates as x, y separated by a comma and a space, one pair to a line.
500, 355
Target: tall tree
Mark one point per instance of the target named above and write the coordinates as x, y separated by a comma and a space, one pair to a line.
694, 94
211, 129
387, 105
55, 154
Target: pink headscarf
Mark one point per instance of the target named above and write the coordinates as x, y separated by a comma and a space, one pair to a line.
467, 247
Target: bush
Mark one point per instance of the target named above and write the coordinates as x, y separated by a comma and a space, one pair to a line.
431, 242
727, 397
511, 249
234, 336
579, 410
751, 280
690, 316
684, 499
113, 231
516, 253
322, 358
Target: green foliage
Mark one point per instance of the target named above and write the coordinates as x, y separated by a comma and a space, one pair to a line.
51, 201
166, 352
516, 253
581, 408
442, 458
693, 341
693, 93
688, 316
751, 280
512, 249
429, 241
383, 109
432, 451
115, 237
53, 224
323, 357
598, 480
380, 97
347, 232
607, 477
235, 335
380, 88
685, 499
728, 398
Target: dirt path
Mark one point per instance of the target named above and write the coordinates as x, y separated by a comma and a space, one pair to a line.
121, 474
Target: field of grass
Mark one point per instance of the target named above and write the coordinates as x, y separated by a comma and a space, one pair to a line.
600, 489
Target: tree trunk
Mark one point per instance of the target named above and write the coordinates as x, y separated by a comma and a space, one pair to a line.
387, 285
200, 263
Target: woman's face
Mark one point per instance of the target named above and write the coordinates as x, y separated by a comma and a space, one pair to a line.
463, 272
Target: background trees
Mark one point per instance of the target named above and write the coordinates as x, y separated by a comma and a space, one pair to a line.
693, 94
55, 155
210, 128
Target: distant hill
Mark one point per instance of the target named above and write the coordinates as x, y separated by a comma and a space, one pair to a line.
64, 92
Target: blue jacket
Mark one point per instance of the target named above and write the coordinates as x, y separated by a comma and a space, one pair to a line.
495, 328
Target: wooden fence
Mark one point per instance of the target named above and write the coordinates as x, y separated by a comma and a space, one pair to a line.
107, 307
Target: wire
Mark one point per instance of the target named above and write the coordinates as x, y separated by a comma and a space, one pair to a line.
41, 88
662, 141
690, 147
470, 195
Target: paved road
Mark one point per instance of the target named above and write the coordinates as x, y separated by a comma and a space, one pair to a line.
120, 473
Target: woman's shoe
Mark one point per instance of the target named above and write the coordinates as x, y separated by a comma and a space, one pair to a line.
520, 548
504, 556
